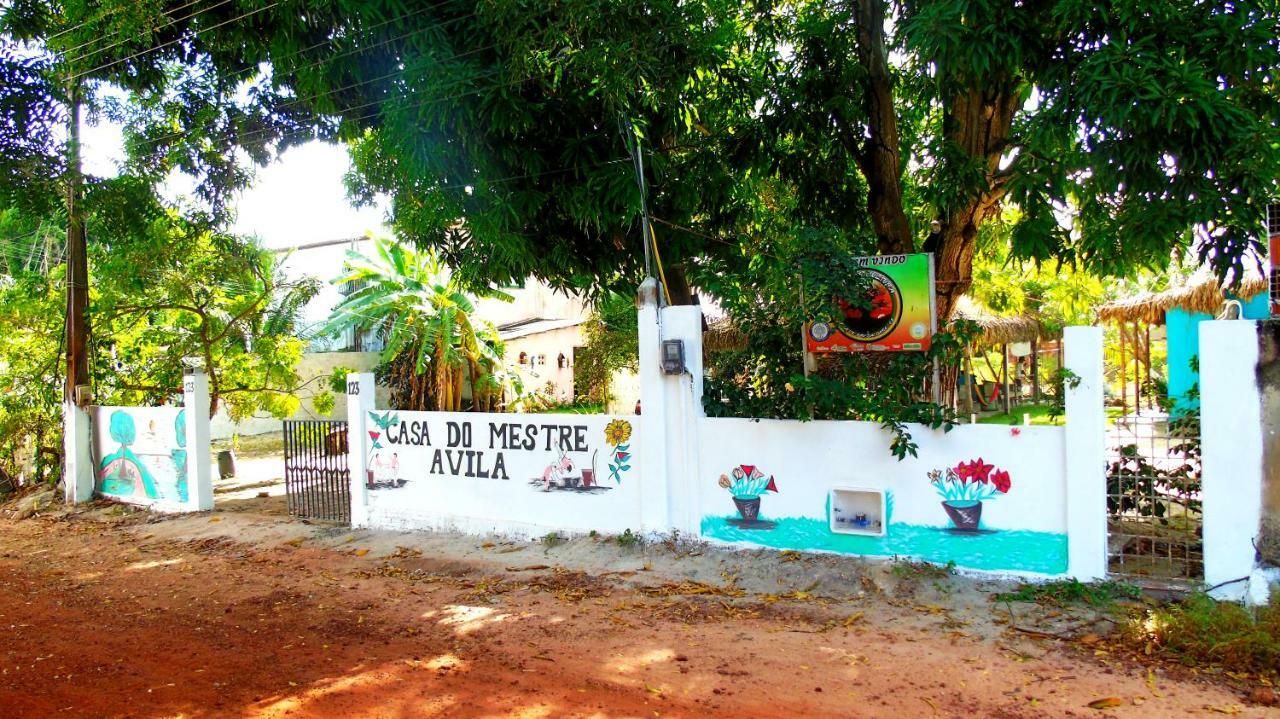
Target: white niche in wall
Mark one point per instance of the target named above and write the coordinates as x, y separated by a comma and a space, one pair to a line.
855, 510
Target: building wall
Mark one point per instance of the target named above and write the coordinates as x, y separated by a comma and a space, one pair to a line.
542, 351
534, 300
1183, 338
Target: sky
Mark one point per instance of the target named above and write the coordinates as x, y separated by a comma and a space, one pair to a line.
298, 199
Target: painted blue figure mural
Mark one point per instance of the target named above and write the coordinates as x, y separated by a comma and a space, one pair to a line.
179, 454
122, 473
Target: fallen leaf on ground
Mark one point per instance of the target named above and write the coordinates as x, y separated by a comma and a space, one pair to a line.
1107, 703
361, 552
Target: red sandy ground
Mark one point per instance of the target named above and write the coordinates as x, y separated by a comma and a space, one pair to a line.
96, 621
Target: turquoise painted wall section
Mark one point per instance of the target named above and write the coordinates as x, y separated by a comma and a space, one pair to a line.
1014, 550
1183, 329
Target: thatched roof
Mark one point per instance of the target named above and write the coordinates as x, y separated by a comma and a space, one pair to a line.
723, 336
1003, 330
1202, 294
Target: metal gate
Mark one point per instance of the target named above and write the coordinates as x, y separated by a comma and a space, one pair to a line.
1154, 519
316, 478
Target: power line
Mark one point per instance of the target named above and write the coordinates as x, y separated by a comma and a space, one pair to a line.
175, 41
297, 101
172, 21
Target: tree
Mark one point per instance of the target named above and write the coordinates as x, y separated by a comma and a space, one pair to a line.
153, 320
432, 343
612, 344
502, 131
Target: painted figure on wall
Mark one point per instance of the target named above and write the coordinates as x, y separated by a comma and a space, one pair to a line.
563, 473
747, 485
965, 487
179, 454
618, 435
122, 473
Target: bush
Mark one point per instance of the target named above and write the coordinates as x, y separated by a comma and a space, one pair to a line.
1202, 632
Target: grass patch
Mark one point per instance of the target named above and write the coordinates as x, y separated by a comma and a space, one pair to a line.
252, 446
627, 539
575, 408
1069, 592
915, 569
553, 539
1201, 632
1039, 415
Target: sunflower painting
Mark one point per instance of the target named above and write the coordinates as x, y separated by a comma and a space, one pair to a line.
618, 435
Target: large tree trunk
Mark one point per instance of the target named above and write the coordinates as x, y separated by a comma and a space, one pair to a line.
978, 122
879, 157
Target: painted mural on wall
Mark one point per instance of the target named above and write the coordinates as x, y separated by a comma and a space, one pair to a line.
960, 534
965, 487
746, 486
547, 454
142, 453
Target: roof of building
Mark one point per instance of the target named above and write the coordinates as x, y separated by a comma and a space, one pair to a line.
536, 325
1202, 293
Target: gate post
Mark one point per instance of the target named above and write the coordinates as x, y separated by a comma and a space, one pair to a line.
1086, 454
77, 469
671, 408
1231, 454
360, 401
195, 403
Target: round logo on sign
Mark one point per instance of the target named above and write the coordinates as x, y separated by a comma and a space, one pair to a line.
880, 313
918, 331
820, 331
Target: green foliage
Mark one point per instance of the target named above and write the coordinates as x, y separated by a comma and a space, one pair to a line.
611, 344
1201, 632
432, 342
628, 539
1071, 592
806, 278
150, 319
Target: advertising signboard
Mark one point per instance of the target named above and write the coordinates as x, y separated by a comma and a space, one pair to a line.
901, 318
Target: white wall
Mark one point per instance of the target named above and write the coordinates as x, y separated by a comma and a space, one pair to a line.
484, 473
1231, 434
809, 459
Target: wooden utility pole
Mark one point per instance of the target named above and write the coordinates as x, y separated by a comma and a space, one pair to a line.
77, 318
1035, 370
1004, 371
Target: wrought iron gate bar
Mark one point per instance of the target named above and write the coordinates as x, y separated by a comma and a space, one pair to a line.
316, 477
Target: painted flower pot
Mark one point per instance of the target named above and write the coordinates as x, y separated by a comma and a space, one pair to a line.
368, 478
588, 477
749, 509
965, 515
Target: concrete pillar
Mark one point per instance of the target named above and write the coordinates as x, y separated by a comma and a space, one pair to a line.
683, 398
654, 509
671, 411
1231, 434
195, 403
360, 401
1086, 455
77, 468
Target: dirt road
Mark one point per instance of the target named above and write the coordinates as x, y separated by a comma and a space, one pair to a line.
122, 615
